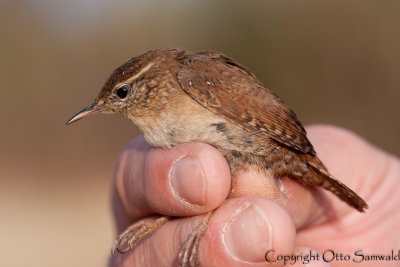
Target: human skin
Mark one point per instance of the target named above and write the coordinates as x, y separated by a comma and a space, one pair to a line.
192, 179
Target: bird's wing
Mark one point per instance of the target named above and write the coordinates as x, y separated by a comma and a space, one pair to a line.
230, 89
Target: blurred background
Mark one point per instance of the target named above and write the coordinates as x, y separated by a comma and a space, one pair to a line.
334, 62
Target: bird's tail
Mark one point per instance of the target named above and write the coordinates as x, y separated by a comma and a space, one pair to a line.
317, 174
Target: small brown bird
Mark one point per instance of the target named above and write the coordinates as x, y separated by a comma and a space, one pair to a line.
175, 97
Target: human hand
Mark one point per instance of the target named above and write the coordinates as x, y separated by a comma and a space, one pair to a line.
192, 179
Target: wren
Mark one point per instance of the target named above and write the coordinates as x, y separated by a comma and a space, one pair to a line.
175, 97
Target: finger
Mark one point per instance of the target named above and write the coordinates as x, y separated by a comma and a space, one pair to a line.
243, 230
349, 158
239, 233
186, 180
373, 174
299, 201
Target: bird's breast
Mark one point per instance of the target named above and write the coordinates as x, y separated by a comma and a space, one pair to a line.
190, 122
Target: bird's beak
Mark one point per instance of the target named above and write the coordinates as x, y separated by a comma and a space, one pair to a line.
91, 109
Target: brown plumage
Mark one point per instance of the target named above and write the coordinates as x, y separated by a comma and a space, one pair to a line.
175, 96
230, 89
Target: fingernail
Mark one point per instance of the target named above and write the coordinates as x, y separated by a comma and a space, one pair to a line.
247, 234
188, 181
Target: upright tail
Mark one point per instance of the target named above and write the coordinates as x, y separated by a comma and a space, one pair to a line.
318, 175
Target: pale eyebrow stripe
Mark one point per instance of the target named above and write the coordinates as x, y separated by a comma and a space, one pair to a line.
137, 75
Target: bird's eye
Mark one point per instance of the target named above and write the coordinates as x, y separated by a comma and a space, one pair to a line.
123, 91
